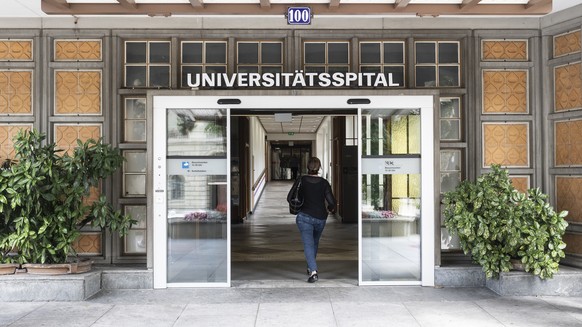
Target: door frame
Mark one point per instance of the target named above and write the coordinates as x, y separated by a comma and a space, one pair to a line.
160, 102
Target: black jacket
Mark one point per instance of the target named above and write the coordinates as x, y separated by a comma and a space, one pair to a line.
317, 196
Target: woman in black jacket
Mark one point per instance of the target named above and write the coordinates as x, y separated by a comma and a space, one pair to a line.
318, 201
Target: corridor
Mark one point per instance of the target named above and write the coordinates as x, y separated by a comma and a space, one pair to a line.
267, 248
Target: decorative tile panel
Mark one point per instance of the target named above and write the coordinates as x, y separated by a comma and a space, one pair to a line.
15, 92
573, 243
16, 50
78, 92
513, 50
505, 91
567, 43
66, 135
506, 144
568, 143
568, 87
7, 135
569, 196
89, 243
73, 50
521, 183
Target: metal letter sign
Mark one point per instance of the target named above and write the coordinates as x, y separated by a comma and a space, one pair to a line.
298, 15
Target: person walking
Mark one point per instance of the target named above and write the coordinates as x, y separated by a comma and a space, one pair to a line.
318, 201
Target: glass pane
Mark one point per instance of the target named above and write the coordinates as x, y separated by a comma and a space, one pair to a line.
215, 53
450, 108
390, 227
199, 132
425, 76
135, 241
314, 53
192, 53
335, 69
272, 69
337, 53
387, 132
135, 52
397, 74
448, 76
135, 76
159, 52
393, 53
159, 76
248, 69
370, 53
449, 181
448, 53
135, 185
425, 53
135, 108
135, 131
192, 70
371, 69
450, 160
248, 53
450, 129
271, 53
215, 69
135, 162
138, 213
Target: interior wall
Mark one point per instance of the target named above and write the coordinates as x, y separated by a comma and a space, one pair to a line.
258, 168
323, 147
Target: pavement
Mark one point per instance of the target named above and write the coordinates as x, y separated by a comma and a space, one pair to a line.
317, 304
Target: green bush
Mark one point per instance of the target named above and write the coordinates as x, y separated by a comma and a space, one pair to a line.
496, 223
42, 197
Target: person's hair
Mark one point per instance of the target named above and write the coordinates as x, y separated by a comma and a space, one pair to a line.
313, 166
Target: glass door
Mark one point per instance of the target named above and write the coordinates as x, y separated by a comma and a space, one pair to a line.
391, 196
194, 210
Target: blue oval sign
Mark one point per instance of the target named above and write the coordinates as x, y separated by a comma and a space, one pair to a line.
298, 15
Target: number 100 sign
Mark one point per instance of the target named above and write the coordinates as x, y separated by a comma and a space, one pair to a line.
299, 15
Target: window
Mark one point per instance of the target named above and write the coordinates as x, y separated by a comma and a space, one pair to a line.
259, 57
147, 64
202, 57
134, 173
326, 57
450, 119
177, 187
383, 57
135, 120
437, 64
135, 241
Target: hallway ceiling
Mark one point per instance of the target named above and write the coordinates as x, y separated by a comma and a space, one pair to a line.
299, 124
279, 7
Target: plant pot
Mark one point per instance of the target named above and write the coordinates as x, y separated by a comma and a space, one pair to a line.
59, 268
8, 268
517, 265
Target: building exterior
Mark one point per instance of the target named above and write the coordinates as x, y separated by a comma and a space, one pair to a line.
506, 90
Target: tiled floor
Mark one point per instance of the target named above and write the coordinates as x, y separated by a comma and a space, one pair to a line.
267, 246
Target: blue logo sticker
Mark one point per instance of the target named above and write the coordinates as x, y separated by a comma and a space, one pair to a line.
185, 165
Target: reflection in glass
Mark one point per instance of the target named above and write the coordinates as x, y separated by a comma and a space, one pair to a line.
159, 76
390, 202
135, 76
337, 53
370, 53
135, 185
426, 76
448, 53
197, 235
272, 69
450, 108
135, 108
135, 242
196, 132
448, 76
137, 213
248, 53
135, 131
248, 69
393, 53
215, 53
450, 160
192, 52
159, 52
450, 129
425, 53
314, 53
135, 52
135, 162
271, 53
449, 181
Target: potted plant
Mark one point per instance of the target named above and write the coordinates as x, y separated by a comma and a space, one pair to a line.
43, 198
496, 223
